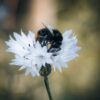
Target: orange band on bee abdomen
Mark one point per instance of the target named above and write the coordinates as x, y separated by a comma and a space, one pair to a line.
36, 36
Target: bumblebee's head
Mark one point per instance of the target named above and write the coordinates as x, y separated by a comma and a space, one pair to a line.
50, 37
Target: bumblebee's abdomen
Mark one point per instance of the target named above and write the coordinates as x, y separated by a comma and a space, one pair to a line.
53, 39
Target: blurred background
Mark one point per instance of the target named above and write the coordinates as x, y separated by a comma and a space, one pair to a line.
81, 81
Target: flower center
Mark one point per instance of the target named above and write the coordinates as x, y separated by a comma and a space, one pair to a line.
41, 56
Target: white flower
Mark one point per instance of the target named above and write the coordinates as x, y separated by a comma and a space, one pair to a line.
30, 55
68, 51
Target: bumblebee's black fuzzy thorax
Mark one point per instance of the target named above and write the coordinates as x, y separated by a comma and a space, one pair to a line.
54, 38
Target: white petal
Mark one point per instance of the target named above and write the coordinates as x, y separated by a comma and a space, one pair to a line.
59, 68
27, 72
21, 68
67, 33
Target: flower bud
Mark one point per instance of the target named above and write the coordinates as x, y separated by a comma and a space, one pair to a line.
45, 70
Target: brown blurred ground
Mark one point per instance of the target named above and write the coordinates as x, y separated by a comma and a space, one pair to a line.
81, 81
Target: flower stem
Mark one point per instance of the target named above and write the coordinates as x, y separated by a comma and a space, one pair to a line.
47, 87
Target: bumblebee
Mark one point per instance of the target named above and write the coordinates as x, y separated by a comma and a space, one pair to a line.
49, 37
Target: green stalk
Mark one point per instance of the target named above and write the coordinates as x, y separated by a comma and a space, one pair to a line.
47, 87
